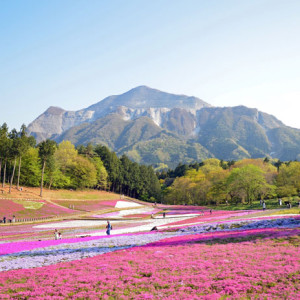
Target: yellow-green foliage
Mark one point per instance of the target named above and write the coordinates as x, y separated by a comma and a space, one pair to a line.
295, 211
28, 204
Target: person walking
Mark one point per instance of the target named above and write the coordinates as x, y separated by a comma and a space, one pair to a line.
264, 205
108, 228
56, 234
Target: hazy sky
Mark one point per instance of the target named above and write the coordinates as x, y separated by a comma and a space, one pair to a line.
74, 53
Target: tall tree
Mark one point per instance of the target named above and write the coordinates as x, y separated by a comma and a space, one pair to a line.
247, 182
24, 144
277, 164
31, 171
113, 166
4, 150
46, 151
288, 179
83, 173
14, 151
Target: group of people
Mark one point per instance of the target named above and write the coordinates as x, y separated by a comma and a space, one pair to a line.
288, 203
4, 220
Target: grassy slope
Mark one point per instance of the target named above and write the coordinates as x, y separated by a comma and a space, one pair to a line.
270, 204
34, 193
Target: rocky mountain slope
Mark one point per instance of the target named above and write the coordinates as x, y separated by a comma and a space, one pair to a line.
155, 127
138, 102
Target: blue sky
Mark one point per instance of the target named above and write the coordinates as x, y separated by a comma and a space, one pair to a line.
73, 54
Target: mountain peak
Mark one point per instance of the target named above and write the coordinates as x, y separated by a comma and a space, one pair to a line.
54, 110
144, 97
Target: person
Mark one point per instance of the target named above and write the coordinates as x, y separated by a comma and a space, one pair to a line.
280, 201
4, 219
264, 205
56, 235
164, 214
210, 211
59, 235
108, 228
152, 217
14, 219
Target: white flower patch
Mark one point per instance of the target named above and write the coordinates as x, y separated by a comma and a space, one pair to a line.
75, 251
142, 228
135, 211
71, 224
124, 204
178, 216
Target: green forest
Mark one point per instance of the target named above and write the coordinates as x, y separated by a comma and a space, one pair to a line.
53, 166
209, 182
215, 182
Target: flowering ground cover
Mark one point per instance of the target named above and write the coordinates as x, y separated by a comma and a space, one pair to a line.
226, 254
110, 203
22, 208
217, 216
8, 207
134, 212
95, 205
260, 264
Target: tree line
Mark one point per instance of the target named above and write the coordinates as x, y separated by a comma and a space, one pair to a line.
215, 181
64, 166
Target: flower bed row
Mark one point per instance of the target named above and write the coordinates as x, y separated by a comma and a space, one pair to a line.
238, 265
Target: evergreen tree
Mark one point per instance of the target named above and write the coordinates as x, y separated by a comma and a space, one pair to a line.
113, 166
14, 152
24, 144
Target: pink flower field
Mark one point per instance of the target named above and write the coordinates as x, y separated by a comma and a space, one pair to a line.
9, 208
254, 264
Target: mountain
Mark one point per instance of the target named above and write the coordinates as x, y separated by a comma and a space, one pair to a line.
155, 127
140, 101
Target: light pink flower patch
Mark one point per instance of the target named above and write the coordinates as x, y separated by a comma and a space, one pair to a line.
110, 203
8, 207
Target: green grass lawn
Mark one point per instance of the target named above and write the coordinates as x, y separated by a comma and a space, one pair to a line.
81, 195
34, 193
270, 204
